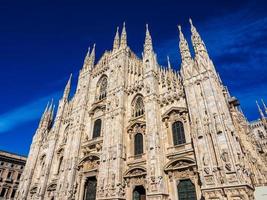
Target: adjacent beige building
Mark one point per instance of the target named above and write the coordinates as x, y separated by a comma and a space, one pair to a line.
135, 130
11, 168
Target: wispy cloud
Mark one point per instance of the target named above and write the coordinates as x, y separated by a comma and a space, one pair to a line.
25, 113
237, 43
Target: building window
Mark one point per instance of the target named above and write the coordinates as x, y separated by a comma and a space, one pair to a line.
138, 144
178, 133
9, 175
97, 128
139, 108
186, 190
3, 192
13, 193
18, 177
90, 189
102, 88
59, 164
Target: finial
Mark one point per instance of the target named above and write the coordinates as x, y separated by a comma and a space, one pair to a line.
179, 28
148, 47
190, 21
67, 88
47, 105
260, 111
265, 108
169, 64
51, 105
123, 42
116, 42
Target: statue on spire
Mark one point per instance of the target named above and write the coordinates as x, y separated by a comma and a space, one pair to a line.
116, 42
123, 42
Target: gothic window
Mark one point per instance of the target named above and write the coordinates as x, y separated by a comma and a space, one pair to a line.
97, 128
139, 108
138, 144
178, 133
59, 164
186, 190
102, 88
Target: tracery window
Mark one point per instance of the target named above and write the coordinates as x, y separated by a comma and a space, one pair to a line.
102, 88
138, 144
186, 190
139, 108
97, 128
178, 133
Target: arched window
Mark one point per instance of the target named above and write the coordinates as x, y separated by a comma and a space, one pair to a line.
42, 161
138, 144
97, 128
178, 133
139, 108
59, 164
102, 88
186, 190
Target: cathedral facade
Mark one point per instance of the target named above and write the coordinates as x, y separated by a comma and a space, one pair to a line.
135, 130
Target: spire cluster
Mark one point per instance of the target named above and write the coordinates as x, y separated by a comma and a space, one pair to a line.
89, 59
262, 112
47, 116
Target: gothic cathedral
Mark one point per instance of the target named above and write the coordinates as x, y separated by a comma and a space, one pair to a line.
135, 130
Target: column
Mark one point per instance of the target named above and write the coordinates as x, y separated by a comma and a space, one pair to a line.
81, 193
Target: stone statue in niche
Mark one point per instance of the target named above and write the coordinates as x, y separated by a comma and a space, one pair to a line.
225, 156
205, 159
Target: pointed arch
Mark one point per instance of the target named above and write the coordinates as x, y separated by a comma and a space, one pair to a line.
102, 88
138, 107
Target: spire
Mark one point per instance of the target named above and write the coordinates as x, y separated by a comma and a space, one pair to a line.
148, 46
67, 89
198, 44
183, 45
260, 111
116, 42
265, 108
51, 106
123, 42
92, 57
169, 64
45, 111
86, 59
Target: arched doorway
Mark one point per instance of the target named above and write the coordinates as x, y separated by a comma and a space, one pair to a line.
90, 189
139, 193
186, 190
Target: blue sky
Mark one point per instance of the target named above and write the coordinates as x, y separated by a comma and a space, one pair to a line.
42, 42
